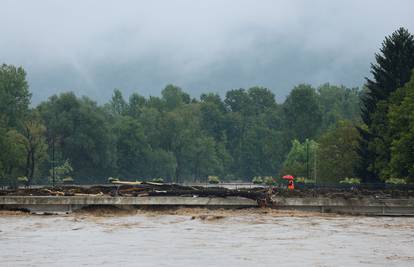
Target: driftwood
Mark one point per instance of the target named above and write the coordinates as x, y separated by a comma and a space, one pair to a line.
126, 182
261, 195
89, 195
54, 193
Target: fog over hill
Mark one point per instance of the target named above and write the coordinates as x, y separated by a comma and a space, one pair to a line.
92, 47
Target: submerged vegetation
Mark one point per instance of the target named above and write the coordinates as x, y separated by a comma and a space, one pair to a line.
316, 133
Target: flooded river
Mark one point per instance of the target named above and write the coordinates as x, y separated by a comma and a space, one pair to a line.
198, 237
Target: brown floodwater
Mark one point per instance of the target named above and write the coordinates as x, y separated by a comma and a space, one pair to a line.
200, 237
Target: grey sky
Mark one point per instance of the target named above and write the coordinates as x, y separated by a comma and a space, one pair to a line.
92, 47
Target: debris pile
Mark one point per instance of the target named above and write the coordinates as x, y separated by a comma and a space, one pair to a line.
141, 189
260, 194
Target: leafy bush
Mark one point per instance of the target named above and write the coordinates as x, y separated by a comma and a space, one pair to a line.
257, 180
350, 181
22, 180
301, 180
396, 181
157, 180
60, 172
213, 180
268, 180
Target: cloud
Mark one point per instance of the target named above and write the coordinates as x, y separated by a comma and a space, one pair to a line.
92, 47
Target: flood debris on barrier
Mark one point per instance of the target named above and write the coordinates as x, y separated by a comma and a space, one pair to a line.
139, 190
259, 194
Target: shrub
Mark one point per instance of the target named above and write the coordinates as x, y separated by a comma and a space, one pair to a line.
396, 181
213, 179
301, 180
257, 180
59, 172
157, 180
22, 180
350, 181
268, 180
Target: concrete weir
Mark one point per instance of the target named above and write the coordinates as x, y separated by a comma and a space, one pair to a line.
361, 206
356, 206
71, 203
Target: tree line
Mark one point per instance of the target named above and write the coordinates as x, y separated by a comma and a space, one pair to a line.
316, 132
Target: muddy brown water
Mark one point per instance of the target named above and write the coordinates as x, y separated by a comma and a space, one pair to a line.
200, 237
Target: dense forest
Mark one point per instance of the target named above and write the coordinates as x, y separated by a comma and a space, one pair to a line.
324, 134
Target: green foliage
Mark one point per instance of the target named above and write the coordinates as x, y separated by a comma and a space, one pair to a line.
34, 141
337, 157
257, 180
12, 154
79, 130
401, 133
246, 134
338, 103
351, 181
300, 158
59, 173
300, 179
14, 95
391, 71
213, 179
117, 105
22, 180
304, 180
157, 180
269, 180
302, 113
396, 181
174, 97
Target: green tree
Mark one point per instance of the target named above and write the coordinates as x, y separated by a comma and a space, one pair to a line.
135, 105
302, 114
174, 97
301, 159
204, 159
132, 149
180, 131
337, 154
391, 71
212, 116
14, 95
118, 105
34, 141
401, 121
338, 103
80, 131
238, 101
58, 173
12, 155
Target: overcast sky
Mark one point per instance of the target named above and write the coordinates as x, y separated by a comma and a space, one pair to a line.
92, 47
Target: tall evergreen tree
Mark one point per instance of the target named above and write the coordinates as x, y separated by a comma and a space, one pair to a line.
391, 71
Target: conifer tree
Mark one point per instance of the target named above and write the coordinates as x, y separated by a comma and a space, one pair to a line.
390, 72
